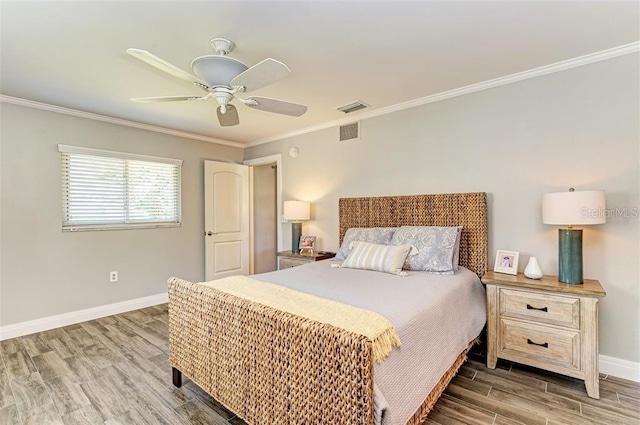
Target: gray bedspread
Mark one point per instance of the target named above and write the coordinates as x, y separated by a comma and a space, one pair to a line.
435, 316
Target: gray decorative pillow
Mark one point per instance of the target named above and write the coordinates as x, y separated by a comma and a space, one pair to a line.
436, 246
456, 250
377, 235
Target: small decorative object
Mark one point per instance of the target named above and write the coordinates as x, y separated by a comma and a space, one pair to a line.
296, 211
572, 208
506, 262
307, 243
533, 270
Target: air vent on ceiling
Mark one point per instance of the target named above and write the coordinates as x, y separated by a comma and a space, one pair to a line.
353, 106
350, 131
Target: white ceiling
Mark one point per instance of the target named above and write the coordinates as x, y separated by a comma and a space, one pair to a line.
72, 53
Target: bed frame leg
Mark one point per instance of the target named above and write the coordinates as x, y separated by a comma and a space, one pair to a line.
177, 377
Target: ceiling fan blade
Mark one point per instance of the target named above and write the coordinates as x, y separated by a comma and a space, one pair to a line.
262, 74
167, 99
165, 66
230, 117
277, 106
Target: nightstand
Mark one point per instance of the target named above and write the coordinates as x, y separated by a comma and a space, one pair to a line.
288, 259
545, 324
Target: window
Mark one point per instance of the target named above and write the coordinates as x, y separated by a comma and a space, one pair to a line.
104, 190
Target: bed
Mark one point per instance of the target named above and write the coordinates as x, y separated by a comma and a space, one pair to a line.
272, 367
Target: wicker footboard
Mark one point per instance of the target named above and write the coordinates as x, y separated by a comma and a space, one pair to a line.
269, 366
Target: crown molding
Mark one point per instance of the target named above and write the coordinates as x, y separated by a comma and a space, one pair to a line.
485, 85
112, 120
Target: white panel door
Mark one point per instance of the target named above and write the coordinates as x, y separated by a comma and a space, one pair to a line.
226, 209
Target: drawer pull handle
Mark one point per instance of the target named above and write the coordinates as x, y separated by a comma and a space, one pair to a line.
529, 307
545, 345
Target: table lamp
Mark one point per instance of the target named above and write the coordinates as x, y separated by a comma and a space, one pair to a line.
296, 211
572, 209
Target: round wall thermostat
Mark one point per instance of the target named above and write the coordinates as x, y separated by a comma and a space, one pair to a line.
293, 152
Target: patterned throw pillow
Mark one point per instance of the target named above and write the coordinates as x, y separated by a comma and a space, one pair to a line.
379, 235
377, 258
436, 247
456, 250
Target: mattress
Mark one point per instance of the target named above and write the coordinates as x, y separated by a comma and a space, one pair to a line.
435, 316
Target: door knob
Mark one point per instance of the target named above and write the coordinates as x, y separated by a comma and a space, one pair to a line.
209, 233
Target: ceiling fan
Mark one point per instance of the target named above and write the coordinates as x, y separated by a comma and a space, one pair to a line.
223, 77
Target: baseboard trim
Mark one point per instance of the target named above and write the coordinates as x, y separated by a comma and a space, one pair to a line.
620, 368
52, 322
608, 365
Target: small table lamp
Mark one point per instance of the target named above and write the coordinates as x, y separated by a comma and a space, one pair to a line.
296, 211
572, 208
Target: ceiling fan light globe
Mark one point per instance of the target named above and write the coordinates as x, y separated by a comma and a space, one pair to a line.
217, 70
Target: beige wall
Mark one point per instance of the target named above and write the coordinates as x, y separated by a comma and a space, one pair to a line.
45, 272
577, 128
265, 239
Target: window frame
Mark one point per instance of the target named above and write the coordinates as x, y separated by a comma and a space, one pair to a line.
124, 156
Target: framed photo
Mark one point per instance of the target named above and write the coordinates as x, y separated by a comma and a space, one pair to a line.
506, 262
307, 243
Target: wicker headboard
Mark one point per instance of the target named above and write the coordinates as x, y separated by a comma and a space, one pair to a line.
455, 209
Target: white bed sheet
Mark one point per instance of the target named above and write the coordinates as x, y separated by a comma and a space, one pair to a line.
435, 316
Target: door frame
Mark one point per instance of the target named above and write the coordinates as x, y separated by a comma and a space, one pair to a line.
270, 159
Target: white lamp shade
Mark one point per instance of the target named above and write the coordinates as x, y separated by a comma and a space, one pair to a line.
574, 208
296, 210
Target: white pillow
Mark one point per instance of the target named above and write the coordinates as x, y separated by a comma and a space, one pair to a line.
379, 258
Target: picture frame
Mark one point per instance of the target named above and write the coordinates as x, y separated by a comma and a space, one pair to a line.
307, 243
506, 262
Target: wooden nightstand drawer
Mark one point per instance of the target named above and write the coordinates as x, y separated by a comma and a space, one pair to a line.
544, 323
542, 308
539, 345
286, 263
288, 259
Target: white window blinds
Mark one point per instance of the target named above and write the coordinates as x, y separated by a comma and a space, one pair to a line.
114, 190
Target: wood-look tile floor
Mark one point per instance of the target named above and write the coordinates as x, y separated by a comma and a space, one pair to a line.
115, 371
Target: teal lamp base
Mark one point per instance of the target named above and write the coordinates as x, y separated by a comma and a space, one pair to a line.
296, 232
570, 256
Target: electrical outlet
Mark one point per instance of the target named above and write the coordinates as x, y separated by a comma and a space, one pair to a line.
113, 276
